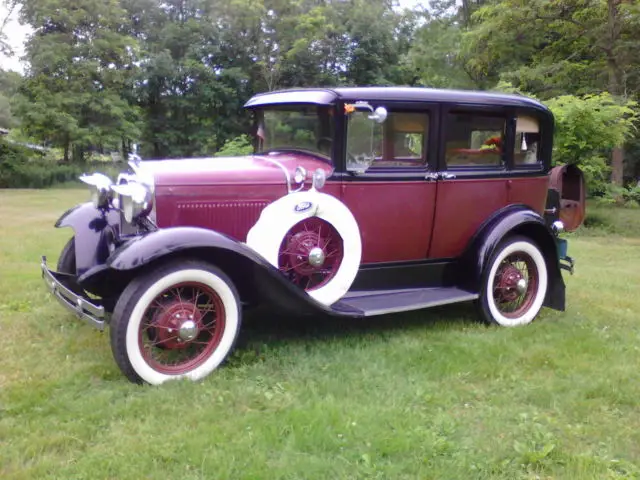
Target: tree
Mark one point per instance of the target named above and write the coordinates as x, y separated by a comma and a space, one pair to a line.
9, 82
5, 48
79, 65
553, 47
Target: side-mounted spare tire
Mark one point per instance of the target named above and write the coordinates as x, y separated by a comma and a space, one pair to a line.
314, 239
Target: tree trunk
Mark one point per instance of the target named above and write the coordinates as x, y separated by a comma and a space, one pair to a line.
617, 166
615, 83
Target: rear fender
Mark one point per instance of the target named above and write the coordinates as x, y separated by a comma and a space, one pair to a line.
513, 220
254, 277
94, 234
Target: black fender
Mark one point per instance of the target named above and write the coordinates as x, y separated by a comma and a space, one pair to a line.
254, 277
512, 220
94, 234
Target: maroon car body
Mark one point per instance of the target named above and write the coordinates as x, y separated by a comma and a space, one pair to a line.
357, 202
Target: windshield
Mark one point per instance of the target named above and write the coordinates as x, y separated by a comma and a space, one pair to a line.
308, 128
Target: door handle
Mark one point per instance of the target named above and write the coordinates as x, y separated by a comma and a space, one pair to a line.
432, 176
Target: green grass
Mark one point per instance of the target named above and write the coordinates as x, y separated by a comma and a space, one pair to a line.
431, 394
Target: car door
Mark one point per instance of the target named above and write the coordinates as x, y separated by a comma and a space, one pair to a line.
393, 196
472, 176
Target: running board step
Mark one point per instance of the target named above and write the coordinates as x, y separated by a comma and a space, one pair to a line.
380, 302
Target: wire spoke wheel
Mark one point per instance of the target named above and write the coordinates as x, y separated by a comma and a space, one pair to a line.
181, 328
515, 284
311, 253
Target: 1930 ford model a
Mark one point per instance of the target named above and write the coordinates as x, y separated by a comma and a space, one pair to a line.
358, 202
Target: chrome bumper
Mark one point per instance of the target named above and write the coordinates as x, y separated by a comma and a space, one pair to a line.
76, 304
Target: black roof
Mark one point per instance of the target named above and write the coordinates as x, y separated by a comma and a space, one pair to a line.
328, 96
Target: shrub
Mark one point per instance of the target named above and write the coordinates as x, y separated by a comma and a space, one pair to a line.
21, 167
236, 146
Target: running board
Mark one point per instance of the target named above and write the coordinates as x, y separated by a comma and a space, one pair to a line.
380, 302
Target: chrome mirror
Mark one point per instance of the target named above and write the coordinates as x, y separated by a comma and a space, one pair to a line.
379, 115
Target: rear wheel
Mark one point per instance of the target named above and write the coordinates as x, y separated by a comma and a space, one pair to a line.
514, 284
180, 320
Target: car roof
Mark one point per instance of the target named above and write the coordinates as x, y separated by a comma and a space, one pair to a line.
329, 96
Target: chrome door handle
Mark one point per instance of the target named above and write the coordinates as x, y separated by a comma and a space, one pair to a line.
431, 176
447, 176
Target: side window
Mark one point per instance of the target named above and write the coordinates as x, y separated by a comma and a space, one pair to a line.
474, 140
527, 141
401, 141
405, 140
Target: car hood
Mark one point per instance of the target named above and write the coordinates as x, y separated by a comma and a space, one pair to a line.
230, 170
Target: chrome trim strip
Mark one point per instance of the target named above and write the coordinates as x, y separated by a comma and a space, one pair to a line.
79, 306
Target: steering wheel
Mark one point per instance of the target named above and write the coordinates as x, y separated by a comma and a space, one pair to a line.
324, 140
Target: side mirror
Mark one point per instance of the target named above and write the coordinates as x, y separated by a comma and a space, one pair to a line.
379, 115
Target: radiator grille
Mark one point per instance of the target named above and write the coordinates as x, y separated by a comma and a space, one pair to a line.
234, 218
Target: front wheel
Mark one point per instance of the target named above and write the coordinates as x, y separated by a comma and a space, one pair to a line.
514, 284
180, 320
67, 260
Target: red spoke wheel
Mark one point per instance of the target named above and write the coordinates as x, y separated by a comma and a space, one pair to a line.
514, 283
181, 328
311, 253
180, 320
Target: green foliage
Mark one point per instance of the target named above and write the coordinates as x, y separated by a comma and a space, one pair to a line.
9, 82
20, 167
587, 128
238, 146
589, 125
80, 65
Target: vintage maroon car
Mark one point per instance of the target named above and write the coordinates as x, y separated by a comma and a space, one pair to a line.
357, 202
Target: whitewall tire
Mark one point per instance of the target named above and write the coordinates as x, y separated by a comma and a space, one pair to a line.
180, 320
515, 283
314, 239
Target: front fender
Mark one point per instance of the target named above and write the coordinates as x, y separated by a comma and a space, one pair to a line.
253, 275
93, 232
513, 220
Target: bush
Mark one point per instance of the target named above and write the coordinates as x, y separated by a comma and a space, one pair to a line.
21, 167
235, 147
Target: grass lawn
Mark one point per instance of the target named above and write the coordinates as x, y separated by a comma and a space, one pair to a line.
431, 394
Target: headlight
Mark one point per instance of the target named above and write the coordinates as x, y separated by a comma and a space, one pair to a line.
136, 199
300, 175
319, 178
99, 188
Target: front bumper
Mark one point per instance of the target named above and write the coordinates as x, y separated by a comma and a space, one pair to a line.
79, 305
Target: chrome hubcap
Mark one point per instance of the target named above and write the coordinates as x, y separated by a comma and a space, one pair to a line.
316, 257
188, 331
521, 286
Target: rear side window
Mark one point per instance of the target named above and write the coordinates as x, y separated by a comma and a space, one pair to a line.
527, 141
474, 140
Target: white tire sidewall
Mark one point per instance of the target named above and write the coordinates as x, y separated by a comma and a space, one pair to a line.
280, 216
231, 325
543, 278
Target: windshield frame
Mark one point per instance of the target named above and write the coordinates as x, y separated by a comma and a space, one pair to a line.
331, 114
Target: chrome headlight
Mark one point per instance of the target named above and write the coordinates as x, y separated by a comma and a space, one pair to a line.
99, 188
300, 175
319, 178
136, 199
